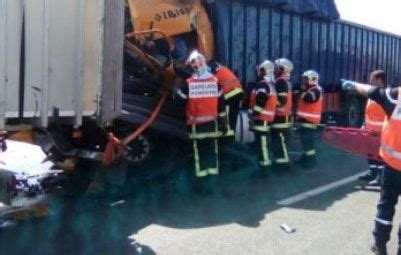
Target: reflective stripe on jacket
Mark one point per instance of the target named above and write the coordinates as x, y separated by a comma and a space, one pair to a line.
390, 149
311, 112
267, 112
286, 109
202, 102
228, 81
374, 116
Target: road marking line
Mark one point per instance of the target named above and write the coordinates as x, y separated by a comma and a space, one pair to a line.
319, 190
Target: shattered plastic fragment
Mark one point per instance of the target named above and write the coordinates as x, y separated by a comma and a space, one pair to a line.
287, 228
7, 224
117, 203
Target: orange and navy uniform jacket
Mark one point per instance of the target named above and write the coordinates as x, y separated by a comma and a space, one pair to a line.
203, 99
390, 100
284, 97
374, 116
263, 103
310, 105
230, 84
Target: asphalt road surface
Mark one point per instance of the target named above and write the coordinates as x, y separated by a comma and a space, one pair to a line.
330, 211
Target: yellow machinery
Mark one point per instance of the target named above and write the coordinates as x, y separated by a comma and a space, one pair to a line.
162, 20
174, 18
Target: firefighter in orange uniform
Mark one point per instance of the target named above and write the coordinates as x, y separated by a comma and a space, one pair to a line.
281, 126
205, 113
309, 112
374, 119
263, 102
233, 93
390, 151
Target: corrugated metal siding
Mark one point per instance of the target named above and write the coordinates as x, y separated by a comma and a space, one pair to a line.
252, 32
72, 58
10, 53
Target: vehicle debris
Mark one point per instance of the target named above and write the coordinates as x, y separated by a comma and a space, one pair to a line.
117, 203
288, 229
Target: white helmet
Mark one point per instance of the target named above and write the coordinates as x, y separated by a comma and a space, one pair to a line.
312, 77
285, 66
266, 69
196, 60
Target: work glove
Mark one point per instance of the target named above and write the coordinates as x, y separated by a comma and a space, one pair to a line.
348, 85
223, 125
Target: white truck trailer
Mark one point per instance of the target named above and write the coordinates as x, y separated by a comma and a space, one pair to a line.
61, 67
65, 55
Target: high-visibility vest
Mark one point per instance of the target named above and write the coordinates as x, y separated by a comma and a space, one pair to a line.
286, 109
390, 149
202, 103
374, 116
311, 112
229, 82
268, 111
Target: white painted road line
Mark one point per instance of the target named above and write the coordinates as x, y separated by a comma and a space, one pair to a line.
319, 190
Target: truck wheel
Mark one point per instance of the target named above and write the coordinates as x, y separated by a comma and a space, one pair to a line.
139, 150
354, 112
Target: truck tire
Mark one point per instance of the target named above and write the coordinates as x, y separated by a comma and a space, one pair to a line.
139, 150
354, 112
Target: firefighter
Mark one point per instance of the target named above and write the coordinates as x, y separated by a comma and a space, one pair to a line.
281, 126
263, 102
205, 114
390, 151
374, 119
309, 113
233, 93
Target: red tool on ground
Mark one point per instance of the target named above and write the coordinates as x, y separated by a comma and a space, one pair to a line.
354, 141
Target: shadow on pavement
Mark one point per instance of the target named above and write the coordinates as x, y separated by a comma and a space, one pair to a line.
90, 226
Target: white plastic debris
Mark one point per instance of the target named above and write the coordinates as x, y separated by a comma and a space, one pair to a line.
117, 203
25, 160
287, 228
7, 224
